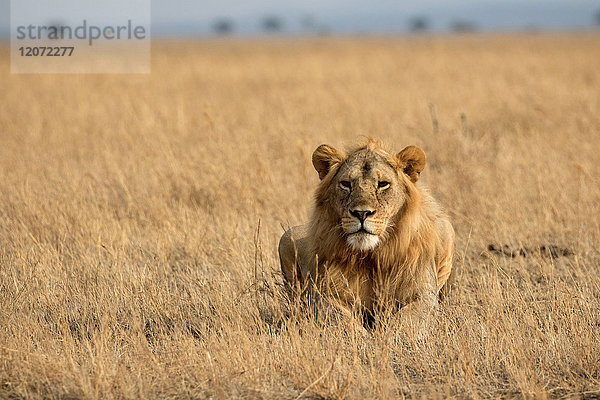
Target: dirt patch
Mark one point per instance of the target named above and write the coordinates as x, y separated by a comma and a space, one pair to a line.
545, 250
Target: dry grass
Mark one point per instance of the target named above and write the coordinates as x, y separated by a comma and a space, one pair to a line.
131, 263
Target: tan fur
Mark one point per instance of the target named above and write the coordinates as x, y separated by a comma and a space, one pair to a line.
412, 260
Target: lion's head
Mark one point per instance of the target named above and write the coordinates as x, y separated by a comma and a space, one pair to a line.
365, 190
374, 234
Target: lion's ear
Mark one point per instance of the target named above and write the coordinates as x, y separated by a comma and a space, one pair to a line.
324, 158
412, 161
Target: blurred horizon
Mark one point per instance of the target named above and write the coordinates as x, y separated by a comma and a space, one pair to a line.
310, 17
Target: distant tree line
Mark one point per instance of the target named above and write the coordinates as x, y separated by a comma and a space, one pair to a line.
309, 24
273, 24
270, 24
421, 24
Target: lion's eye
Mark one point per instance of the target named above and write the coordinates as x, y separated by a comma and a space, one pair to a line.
345, 184
383, 185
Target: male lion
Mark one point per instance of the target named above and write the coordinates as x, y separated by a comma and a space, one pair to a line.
375, 237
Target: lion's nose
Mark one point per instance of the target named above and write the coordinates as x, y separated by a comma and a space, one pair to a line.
361, 214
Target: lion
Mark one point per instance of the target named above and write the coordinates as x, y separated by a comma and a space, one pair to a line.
376, 237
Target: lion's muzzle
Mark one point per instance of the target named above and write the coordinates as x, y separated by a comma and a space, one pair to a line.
360, 228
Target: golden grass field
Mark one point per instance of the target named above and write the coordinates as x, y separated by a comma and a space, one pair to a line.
140, 215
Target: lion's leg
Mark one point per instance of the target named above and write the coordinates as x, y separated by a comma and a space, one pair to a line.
293, 248
427, 299
416, 315
445, 270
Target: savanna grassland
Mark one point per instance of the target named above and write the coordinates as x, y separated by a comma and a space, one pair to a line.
140, 215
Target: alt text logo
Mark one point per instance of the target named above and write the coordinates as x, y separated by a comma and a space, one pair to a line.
70, 36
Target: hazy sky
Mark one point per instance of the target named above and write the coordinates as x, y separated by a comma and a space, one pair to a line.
194, 17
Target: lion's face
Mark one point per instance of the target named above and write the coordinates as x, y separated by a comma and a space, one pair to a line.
368, 190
